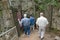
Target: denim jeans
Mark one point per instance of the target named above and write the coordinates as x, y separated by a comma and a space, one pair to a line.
27, 30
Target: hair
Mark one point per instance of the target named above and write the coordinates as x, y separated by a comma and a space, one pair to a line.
41, 14
28, 16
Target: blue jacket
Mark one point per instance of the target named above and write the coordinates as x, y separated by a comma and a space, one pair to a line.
32, 20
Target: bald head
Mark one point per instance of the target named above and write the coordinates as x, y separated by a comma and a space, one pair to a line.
41, 14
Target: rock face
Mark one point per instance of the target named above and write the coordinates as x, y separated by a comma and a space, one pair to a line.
27, 6
1, 22
6, 18
56, 19
9, 32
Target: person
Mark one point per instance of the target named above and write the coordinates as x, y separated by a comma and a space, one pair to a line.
42, 22
26, 25
32, 22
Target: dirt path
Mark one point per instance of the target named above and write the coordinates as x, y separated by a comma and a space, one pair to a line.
34, 36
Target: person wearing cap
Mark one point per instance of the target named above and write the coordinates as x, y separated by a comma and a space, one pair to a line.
26, 25
42, 22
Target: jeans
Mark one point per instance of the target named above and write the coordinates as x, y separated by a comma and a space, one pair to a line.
27, 30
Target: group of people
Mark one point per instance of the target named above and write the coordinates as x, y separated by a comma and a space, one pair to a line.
28, 24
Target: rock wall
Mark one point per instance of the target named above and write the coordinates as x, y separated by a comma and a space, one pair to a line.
6, 18
56, 19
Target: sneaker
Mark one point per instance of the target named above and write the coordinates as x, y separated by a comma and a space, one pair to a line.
28, 35
39, 37
42, 38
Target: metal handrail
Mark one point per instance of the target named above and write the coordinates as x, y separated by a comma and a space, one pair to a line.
7, 31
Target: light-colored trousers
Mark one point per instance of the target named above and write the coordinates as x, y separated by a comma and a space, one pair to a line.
32, 27
41, 31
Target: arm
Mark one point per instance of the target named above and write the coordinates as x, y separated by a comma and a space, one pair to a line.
37, 23
21, 22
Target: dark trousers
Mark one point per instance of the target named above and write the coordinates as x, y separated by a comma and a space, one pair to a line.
27, 30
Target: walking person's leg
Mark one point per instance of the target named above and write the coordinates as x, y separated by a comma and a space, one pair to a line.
39, 32
28, 30
42, 33
33, 27
25, 31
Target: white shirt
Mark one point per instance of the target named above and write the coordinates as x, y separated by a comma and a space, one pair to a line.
42, 22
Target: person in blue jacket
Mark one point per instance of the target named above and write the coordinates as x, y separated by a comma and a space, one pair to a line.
32, 22
26, 25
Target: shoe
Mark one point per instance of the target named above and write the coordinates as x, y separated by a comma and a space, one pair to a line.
55, 39
28, 35
42, 38
39, 37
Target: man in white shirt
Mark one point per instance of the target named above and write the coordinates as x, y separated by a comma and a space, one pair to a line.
42, 22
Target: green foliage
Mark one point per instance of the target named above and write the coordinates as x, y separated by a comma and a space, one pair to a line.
42, 7
36, 1
47, 1
44, 4
0, 8
55, 3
